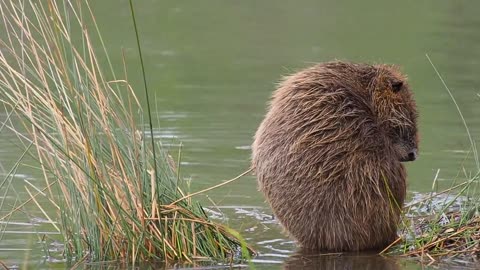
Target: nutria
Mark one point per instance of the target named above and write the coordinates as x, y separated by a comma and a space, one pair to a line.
327, 155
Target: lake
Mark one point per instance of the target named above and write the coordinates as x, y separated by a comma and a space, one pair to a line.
211, 68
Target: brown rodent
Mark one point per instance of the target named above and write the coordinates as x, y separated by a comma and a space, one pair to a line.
327, 155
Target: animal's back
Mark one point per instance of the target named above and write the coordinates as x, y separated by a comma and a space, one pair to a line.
324, 164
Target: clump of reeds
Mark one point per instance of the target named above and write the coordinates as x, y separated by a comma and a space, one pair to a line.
113, 191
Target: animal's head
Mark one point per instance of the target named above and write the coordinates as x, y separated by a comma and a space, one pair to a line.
395, 110
378, 95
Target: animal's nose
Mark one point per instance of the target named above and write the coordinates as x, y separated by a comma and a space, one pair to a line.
412, 155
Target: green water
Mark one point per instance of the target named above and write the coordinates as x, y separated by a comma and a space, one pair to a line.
212, 66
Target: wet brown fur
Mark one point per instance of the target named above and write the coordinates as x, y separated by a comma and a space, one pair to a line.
327, 155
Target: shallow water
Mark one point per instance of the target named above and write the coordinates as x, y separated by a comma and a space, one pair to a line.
213, 64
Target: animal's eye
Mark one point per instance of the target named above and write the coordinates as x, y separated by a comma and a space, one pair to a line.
397, 86
397, 130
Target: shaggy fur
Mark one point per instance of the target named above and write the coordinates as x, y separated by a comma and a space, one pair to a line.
327, 155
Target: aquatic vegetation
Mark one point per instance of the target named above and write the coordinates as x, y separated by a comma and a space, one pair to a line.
440, 226
114, 193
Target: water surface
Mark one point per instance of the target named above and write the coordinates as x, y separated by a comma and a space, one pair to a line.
212, 66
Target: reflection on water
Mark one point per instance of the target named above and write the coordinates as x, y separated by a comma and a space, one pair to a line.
340, 262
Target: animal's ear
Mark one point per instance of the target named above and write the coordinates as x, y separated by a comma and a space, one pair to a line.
397, 86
